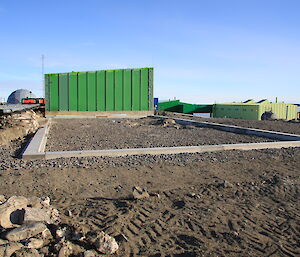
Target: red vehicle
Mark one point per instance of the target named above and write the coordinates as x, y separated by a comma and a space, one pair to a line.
40, 101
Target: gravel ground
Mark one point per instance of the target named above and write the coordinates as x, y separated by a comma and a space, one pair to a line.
233, 203
92, 134
292, 127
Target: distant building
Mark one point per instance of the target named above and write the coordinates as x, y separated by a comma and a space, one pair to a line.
250, 110
17, 96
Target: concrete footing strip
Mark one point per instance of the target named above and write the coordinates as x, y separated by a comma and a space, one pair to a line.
170, 150
36, 148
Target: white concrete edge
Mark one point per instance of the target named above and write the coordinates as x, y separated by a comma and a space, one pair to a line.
170, 150
35, 149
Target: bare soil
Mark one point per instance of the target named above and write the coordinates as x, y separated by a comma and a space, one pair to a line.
233, 203
92, 134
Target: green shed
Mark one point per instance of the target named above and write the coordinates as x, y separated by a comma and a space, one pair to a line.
250, 110
122, 91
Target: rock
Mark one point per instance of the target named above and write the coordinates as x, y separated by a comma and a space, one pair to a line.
33, 215
6, 250
27, 253
91, 253
69, 249
26, 231
2, 199
62, 232
139, 193
11, 212
35, 243
106, 244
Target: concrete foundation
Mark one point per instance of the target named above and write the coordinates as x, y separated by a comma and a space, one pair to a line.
36, 148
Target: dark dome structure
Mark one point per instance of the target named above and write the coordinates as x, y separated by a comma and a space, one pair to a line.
17, 96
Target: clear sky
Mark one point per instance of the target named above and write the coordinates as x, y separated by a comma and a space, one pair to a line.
202, 51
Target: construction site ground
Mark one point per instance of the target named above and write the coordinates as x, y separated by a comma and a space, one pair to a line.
234, 203
101, 133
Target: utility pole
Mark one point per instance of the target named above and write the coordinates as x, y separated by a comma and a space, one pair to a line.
43, 77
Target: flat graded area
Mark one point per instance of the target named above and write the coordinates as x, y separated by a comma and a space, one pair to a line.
233, 203
103, 133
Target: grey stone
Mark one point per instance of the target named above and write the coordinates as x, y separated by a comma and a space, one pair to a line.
106, 244
91, 253
139, 193
26, 231
35, 243
6, 250
27, 253
12, 211
33, 215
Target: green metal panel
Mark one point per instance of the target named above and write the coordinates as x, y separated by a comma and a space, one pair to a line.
73, 92
100, 90
47, 92
91, 91
82, 91
53, 92
127, 90
150, 89
136, 90
109, 92
144, 89
118, 90
63, 97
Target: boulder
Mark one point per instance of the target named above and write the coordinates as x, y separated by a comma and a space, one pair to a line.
12, 212
106, 244
33, 215
25, 232
6, 250
139, 193
27, 253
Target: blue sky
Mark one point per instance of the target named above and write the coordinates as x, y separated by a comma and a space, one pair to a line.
202, 51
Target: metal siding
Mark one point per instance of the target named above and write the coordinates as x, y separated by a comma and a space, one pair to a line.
136, 90
150, 88
111, 90
73, 92
100, 90
127, 94
91, 89
82, 91
144, 89
53, 92
47, 92
109, 94
118, 90
63, 92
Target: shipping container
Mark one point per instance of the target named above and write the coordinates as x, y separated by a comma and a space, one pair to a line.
113, 91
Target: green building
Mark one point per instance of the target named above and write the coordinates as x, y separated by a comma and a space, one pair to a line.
123, 91
251, 110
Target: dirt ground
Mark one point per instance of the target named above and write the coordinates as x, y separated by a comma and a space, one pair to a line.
92, 134
233, 203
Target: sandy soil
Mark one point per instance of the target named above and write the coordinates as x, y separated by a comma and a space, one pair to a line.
92, 134
234, 203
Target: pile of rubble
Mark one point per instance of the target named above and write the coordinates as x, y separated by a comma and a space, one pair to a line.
31, 227
17, 126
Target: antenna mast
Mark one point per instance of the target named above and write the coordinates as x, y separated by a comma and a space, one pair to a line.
43, 77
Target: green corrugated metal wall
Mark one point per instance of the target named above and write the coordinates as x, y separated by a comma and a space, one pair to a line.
106, 90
